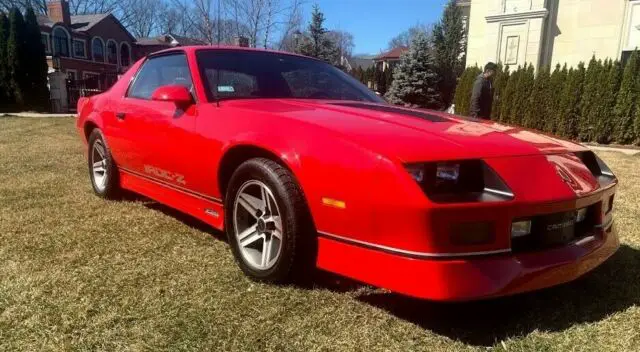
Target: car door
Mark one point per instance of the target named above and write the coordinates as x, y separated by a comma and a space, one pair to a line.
159, 134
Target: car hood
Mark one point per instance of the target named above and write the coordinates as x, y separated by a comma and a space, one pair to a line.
413, 134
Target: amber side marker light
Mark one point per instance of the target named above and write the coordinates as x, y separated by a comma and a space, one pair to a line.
334, 203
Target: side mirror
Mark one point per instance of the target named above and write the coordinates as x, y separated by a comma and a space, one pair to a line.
177, 94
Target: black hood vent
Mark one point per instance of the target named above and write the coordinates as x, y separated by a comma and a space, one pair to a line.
395, 110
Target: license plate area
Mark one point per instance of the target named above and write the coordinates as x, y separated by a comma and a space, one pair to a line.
558, 229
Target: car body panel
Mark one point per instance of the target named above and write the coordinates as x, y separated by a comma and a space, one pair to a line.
354, 154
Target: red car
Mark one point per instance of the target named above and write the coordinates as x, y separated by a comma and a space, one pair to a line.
303, 166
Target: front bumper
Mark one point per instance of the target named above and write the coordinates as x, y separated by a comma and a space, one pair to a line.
469, 278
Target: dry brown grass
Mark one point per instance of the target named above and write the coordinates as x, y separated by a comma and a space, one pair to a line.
79, 273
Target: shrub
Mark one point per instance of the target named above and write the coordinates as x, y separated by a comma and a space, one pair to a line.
626, 103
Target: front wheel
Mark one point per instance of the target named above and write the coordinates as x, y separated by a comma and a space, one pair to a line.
268, 223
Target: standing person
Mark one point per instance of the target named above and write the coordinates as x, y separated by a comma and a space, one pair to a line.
482, 94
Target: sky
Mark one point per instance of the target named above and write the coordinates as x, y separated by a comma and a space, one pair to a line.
374, 22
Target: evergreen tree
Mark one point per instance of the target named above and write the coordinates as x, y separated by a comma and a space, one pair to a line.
316, 43
464, 87
626, 103
16, 57
499, 85
508, 101
37, 93
593, 82
5, 89
603, 118
449, 49
523, 88
415, 81
556, 86
538, 107
570, 103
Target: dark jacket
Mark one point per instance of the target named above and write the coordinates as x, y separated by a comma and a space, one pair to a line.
481, 98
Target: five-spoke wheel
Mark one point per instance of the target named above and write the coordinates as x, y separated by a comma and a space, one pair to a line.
258, 225
268, 223
102, 169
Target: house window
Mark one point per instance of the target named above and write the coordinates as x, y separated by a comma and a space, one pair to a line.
79, 48
44, 38
72, 75
112, 52
97, 47
125, 54
60, 42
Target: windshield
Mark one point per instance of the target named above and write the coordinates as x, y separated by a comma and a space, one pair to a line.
243, 74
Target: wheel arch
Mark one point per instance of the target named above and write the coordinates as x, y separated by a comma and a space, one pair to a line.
235, 155
88, 127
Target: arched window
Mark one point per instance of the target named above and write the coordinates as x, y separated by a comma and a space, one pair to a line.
60, 42
97, 48
112, 52
125, 54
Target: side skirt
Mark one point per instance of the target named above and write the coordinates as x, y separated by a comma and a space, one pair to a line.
206, 209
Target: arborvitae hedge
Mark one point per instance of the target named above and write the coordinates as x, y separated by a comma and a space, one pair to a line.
464, 89
23, 66
625, 109
599, 104
603, 118
16, 57
499, 86
5, 97
509, 95
593, 81
37, 93
538, 107
524, 85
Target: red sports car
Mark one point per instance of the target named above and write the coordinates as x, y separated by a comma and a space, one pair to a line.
303, 166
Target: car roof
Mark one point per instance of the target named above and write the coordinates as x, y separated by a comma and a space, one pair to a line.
192, 48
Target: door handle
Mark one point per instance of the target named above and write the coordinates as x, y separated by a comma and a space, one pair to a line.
120, 115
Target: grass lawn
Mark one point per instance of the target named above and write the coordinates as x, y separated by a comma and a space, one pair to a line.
80, 273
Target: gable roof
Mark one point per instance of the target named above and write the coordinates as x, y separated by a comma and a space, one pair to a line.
392, 54
83, 23
86, 22
362, 62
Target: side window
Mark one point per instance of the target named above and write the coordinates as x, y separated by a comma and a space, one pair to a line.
160, 71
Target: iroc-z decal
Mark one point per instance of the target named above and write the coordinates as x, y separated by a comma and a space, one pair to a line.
164, 174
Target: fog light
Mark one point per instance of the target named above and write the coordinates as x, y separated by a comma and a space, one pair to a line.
581, 215
520, 228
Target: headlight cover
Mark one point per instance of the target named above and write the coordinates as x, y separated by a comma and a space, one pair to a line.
459, 181
598, 168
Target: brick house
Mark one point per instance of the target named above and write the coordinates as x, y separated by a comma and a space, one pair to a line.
389, 58
86, 47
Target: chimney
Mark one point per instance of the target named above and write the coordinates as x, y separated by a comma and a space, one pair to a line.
241, 41
58, 11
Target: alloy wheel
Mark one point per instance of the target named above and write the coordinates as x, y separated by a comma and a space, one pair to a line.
257, 225
99, 165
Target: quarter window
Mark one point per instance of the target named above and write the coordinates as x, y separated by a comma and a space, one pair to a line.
160, 71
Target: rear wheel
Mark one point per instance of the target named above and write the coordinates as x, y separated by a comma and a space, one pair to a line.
102, 170
268, 223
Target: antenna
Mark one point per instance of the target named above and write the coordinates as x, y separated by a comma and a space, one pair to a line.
219, 23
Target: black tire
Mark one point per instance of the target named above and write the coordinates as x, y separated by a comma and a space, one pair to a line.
111, 188
298, 253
